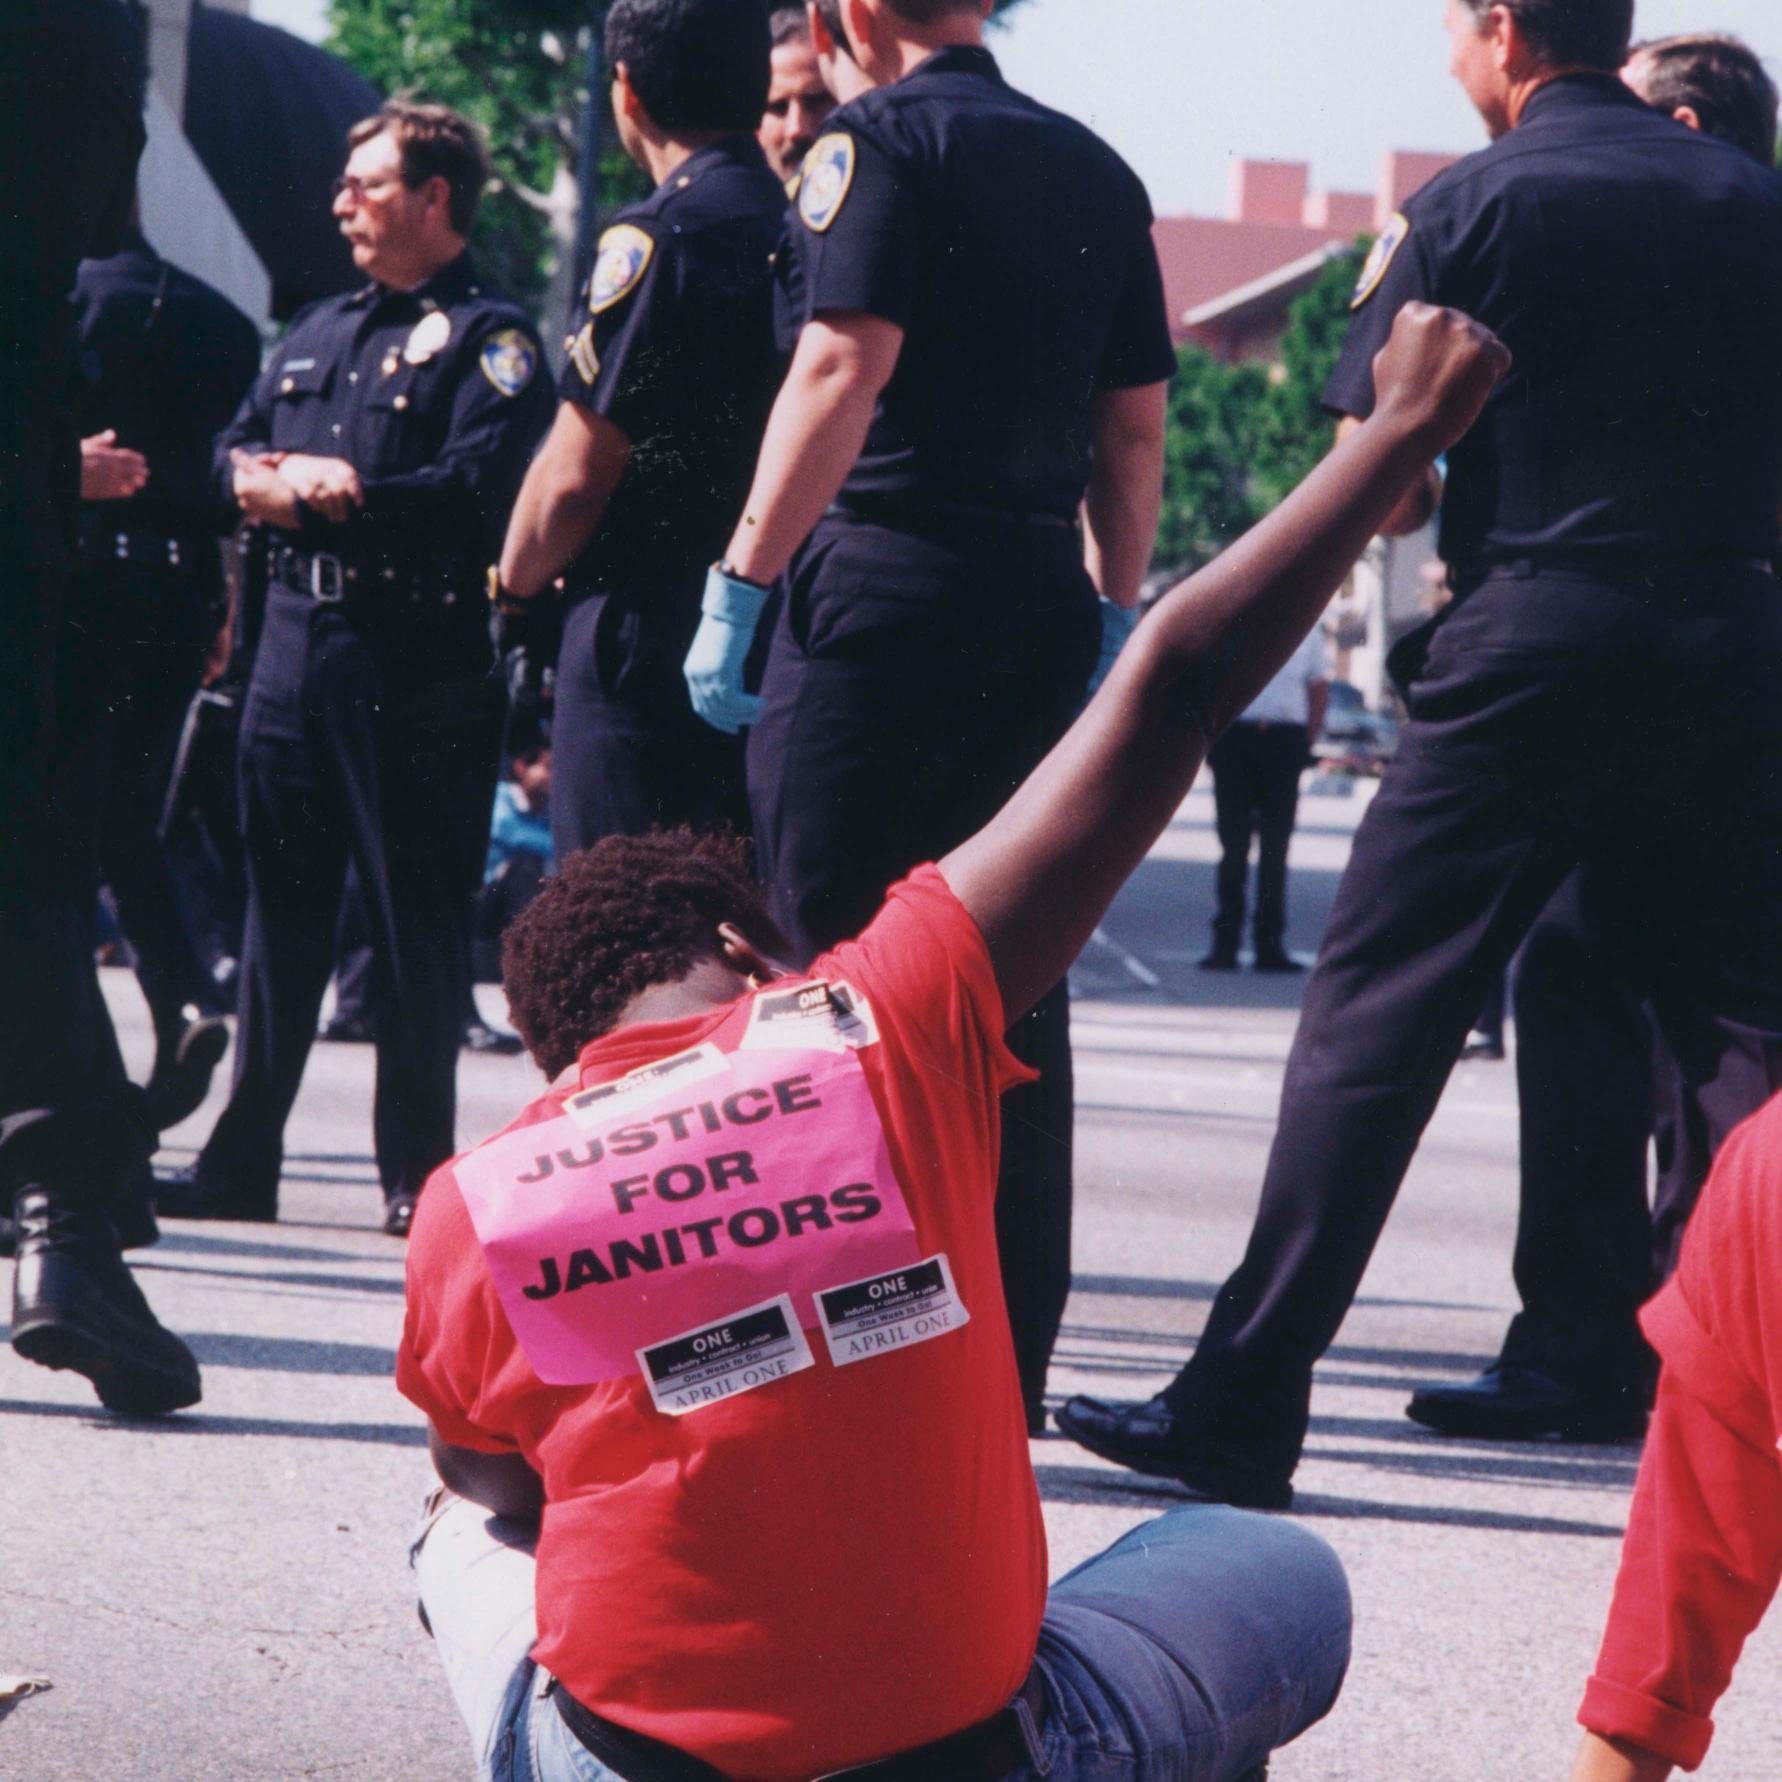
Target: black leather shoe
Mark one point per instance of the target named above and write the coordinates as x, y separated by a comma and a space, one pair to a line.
1511, 1403
185, 1194
76, 1306
479, 1036
1147, 1438
181, 1078
1277, 961
347, 1030
1220, 959
399, 1215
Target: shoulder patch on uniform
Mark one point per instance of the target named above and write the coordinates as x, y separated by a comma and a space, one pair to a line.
580, 348
792, 184
1380, 256
508, 360
824, 184
624, 257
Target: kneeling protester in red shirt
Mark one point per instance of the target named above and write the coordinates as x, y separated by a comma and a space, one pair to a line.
712, 1339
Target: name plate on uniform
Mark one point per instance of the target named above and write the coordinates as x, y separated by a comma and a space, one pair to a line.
891, 1311
719, 1361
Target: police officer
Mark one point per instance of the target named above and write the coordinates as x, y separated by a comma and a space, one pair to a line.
984, 351
669, 380
72, 1128
1589, 1251
798, 103
164, 360
380, 450
1608, 528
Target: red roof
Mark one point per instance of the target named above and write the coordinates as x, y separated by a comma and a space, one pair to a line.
1204, 258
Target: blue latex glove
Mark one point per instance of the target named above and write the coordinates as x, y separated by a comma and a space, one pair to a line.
730, 611
1117, 625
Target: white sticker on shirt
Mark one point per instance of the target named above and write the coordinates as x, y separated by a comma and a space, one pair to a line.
722, 1360
883, 1313
595, 1107
833, 1017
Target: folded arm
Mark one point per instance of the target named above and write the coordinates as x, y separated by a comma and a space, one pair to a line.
1041, 875
504, 1483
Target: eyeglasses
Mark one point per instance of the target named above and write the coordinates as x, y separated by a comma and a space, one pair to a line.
361, 189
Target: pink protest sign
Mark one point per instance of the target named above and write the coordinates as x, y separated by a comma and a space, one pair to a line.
658, 1204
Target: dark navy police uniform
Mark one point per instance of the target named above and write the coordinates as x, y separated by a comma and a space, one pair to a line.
1601, 696
371, 725
70, 89
678, 353
164, 362
939, 628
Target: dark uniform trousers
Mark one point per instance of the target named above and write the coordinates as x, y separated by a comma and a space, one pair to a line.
628, 753
1256, 768
914, 682
1626, 728
68, 1118
152, 624
379, 746
1589, 1250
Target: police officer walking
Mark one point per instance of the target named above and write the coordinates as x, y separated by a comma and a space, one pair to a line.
165, 360
670, 378
984, 352
72, 1128
380, 449
1608, 528
1589, 1250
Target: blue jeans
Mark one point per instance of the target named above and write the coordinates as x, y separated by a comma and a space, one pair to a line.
1187, 1652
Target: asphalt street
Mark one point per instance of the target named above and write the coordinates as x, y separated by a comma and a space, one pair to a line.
223, 1595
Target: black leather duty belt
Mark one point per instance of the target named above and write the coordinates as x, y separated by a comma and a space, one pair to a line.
330, 579
991, 1751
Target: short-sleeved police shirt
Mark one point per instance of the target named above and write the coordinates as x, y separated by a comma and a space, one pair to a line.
1634, 269
677, 351
435, 396
1013, 248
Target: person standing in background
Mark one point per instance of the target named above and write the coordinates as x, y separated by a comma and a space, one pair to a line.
798, 102
1256, 766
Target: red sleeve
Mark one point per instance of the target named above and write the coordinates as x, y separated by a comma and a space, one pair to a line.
454, 1332
1703, 1552
924, 958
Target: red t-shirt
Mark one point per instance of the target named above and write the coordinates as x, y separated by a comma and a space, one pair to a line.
1704, 1539
830, 1567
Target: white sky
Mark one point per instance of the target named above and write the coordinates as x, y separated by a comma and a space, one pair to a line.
1183, 87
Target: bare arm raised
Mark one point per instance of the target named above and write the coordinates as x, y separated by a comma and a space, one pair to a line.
1041, 875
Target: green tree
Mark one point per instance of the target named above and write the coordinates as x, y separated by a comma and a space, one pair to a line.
1240, 437
519, 67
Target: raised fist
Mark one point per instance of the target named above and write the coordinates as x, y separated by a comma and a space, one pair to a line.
1436, 370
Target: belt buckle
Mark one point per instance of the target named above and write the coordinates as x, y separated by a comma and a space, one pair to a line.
327, 578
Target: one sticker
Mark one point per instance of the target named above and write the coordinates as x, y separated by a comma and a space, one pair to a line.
426, 338
828, 175
731, 1356
1380, 256
508, 360
835, 1017
599, 1106
664, 1206
890, 1311
624, 256
580, 348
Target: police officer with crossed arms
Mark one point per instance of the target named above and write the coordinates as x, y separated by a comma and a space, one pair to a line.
379, 452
